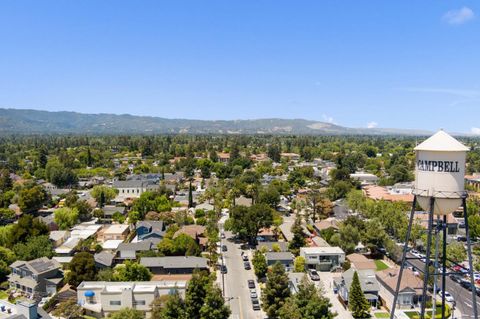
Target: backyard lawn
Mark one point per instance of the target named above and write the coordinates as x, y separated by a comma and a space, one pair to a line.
381, 315
3, 294
380, 265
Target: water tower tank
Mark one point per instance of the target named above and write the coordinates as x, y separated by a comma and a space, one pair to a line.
440, 173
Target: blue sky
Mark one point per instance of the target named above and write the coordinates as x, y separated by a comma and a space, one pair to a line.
404, 64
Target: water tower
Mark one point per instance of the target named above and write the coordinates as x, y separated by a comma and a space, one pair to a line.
439, 190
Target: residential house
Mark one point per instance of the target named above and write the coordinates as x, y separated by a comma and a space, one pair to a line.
322, 258
109, 210
452, 223
128, 251
102, 298
22, 309
196, 232
273, 245
149, 229
410, 292
223, 157
104, 259
285, 258
388, 193
38, 277
113, 232
132, 188
266, 234
58, 237
290, 156
368, 282
327, 223
295, 279
365, 178
360, 262
174, 264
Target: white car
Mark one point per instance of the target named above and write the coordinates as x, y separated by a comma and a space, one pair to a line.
448, 296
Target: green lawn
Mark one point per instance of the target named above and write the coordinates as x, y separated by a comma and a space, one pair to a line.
3, 294
382, 315
380, 265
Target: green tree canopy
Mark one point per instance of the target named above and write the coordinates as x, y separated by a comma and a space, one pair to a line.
247, 221
81, 268
276, 291
65, 217
357, 303
33, 248
131, 271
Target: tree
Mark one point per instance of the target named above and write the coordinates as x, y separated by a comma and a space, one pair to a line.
319, 205
474, 225
171, 306
273, 151
65, 217
81, 268
190, 195
131, 271
374, 236
357, 303
84, 210
68, 309
270, 196
103, 194
26, 227
118, 217
33, 248
307, 303
214, 305
126, 313
5, 181
456, 252
105, 274
247, 221
6, 215
134, 217
182, 245
299, 264
196, 293
276, 291
31, 199
259, 264
298, 239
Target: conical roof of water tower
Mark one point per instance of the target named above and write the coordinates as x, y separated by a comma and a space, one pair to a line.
442, 142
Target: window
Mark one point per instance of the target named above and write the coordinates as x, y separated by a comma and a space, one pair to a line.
140, 302
115, 303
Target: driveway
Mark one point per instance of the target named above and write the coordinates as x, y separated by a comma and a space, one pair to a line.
326, 283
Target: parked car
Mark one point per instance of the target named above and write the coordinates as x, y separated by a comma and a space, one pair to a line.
223, 269
456, 278
245, 258
246, 265
255, 304
448, 296
253, 294
313, 275
224, 248
251, 284
466, 284
222, 235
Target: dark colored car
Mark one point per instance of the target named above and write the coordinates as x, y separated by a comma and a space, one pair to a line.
246, 265
245, 258
466, 284
251, 284
223, 269
255, 304
456, 278
224, 247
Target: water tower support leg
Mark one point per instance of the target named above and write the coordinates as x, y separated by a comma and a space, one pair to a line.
426, 273
470, 262
404, 256
444, 263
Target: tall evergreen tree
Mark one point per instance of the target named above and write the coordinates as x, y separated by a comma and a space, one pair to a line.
169, 307
190, 195
276, 291
357, 303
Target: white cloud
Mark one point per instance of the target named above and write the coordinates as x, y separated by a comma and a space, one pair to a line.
475, 130
328, 119
459, 16
372, 124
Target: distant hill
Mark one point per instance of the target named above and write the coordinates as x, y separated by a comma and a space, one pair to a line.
16, 121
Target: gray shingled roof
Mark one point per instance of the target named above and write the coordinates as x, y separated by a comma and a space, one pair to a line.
279, 255
174, 262
140, 246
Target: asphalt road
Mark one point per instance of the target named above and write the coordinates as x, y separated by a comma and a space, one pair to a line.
237, 293
462, 296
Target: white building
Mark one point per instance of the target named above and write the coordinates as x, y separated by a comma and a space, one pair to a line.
365, 178
322, 258
101, 298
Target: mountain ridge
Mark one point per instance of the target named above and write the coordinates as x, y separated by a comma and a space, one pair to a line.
29, 121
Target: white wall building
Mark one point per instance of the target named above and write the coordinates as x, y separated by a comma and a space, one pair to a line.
101, 298
322, 258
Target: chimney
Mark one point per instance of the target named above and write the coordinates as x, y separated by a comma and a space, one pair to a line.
27, 309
